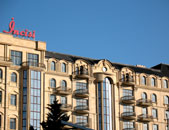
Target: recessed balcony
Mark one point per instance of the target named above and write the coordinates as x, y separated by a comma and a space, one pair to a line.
82, 93
144, 102
128, 99
127, 81
34, 65
66, 107
82, 109
128, 115
82, 74
63, 90
5, 61
145, 118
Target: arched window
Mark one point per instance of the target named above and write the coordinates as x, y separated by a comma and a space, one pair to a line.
52, 66
143, 80
63, 67
52, 83
0, 74
63, 85
165, 82
166, 99
13, 77
154, 98
153, 82
144, 95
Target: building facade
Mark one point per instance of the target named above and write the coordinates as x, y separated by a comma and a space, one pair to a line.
97, 94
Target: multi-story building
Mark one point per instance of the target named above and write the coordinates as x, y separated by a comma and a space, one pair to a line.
97, 94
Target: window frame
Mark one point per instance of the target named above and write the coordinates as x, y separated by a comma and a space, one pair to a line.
52, 83
63, 67
12, 123
53, 66
13, 77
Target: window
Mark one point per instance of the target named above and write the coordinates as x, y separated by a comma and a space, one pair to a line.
155, 127
52, 66
128, 125
144, 96
0, 74
166, 127
0, 96
144, 111
154, 98
127, 108
0, 121
13, 77
12, 123
52, 83
33, 59
13, 99
127, 92
63, 67
63, 85
143, 80
82, 120
165, 82
154, 113
63, 100
153, 82
145, 126
166, 99
167, 114
80, 85
81, 102
16, 57
52, 99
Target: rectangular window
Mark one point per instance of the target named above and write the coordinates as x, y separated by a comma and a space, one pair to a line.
13, 99
63, 100
144, 111
155, 127
13, 123
80, 85
167, 114
145, 126
16, 57
0, 97
0, 121
82, 120
154, 113
128, 125
33, 59
127, 92
127, 108
81, 102
52, 99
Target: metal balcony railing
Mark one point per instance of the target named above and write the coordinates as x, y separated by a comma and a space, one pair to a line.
85, 124
81, 91
33, 64
144, 102
128, 99
81, 107
128, 114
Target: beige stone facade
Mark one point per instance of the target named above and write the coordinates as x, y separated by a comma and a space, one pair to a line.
97, 94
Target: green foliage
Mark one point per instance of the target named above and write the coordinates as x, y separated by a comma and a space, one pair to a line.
54, 117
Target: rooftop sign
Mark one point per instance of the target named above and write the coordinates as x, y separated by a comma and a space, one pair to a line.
25, 33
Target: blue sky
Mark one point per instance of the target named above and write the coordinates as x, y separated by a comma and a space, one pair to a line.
124, 31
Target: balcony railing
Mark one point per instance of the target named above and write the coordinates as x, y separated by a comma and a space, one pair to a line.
82, 109
82, 73
127, 81
63, 90
128, 115
144, 102
33, 64
85, 124
66, 107
82, 92
145, 118
128, 99
129, 129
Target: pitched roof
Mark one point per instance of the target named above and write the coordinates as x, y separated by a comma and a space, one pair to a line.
160, 70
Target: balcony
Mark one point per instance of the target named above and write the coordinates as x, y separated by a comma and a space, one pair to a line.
66, 107
128, 99
84, 124
29, 64
129, 129
144, 102
128, 115
5, 61
145, 118
82, 109
63, 90
82, 93
127, 81
82, 74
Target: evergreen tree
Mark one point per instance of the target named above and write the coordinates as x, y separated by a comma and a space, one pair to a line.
54, 117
